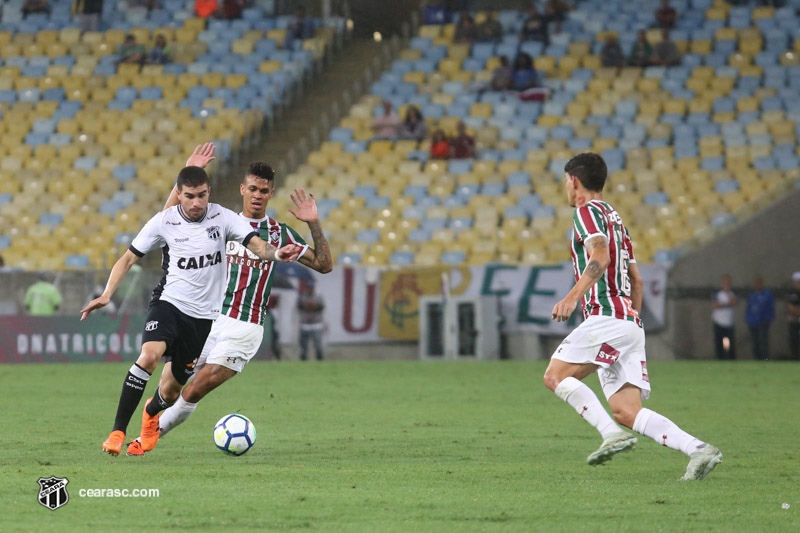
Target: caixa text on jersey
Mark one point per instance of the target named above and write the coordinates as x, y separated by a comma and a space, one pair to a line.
192, 263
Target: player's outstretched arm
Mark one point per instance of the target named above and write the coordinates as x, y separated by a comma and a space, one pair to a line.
599, 259
267, 252
637, 287
202, 156
121, 267
318, 257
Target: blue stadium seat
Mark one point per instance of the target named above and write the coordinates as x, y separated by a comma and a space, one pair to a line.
519, 177
76, 261
432, 224
151, 93
453, 258
459, 166
493, 189
126, 94
51, 219
378, 202
349, 259
419, 235
712, 163
454, 200
656, 198
6, 198
515, 211
84, 163
5, 242
110, 207
369, 236
126, 198
459, 223
401, 258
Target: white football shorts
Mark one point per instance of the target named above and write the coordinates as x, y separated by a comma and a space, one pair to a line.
613, 344
231, 343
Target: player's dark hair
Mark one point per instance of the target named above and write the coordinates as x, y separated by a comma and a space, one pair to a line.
590, 169
191, 177
261, 170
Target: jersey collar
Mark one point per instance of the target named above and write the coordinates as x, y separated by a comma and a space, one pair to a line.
187, 219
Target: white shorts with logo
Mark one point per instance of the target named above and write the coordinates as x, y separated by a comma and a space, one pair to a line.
613, 344
231, 343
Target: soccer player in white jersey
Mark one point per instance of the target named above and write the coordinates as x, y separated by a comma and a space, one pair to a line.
192, 237
611, 338
236, 335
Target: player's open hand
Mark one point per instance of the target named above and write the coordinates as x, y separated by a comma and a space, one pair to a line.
563, 309
202, 155
288, 253
306, 206
97, 303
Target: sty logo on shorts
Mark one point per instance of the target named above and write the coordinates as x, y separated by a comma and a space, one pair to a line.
151, 326
213, 232
645, 375
53, 492
607, 355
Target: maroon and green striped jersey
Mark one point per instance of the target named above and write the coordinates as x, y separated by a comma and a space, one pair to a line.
249, 278
611, 295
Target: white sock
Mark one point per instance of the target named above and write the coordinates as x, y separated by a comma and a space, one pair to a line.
664, 431
585, 402
176, 415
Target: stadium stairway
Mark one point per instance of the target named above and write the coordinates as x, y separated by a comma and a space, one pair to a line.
307, 121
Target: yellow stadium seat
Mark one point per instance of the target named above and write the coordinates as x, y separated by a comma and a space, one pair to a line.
545, 64
751, 46
242, 46
700, 106
269, 66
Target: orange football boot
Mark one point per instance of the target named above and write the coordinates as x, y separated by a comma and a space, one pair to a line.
150, 431
135, 449
114, 442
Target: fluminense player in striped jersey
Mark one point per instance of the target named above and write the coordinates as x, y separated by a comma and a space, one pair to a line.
611, 338
236, 335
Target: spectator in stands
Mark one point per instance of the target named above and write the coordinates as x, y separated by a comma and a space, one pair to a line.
232, 9
665, 15
89, 12
463, 145
759, 315
2, 263
301, 27
535, 28
30, 7
557, 10
205, 8
502, 76
611, 55
666, 53
490, 30
160, 54
440, 148
793, 315
723, 305
414, 126
387, 125
434, 13
42, 298
466, 31
131, 51
642, 52
524, 75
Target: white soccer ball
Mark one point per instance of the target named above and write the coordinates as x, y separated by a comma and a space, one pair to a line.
234, 434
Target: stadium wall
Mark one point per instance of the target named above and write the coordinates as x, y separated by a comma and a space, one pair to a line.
765, 245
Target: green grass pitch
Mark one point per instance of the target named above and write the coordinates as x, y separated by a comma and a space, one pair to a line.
404, 447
